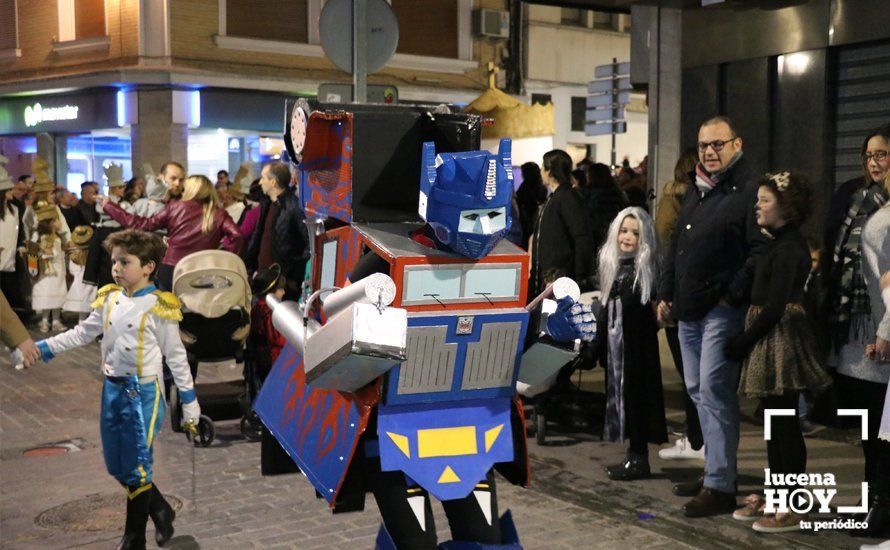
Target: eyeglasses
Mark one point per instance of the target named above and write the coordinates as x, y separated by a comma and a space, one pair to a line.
717, 145
878, 156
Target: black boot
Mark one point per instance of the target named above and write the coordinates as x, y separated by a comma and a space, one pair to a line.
689, 488
162, 515
878, 518
137, 517
635, 466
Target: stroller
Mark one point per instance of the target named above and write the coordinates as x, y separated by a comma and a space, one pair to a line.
213, 288
546, 388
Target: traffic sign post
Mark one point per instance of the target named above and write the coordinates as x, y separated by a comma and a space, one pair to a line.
606, 98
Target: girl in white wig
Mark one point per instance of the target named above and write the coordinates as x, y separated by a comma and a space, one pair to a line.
634, 402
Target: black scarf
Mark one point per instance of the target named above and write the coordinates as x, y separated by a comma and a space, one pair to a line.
850, 306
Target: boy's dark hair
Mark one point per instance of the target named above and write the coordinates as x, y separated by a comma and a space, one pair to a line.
148, 247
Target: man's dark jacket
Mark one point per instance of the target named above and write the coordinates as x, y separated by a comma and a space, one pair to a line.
88, 213
290, 238
715, 247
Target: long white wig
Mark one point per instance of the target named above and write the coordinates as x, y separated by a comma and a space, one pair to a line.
645, 262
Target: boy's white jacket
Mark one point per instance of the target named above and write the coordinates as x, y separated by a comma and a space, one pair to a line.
139, 332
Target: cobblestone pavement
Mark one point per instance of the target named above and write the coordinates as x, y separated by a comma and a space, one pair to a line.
570, 505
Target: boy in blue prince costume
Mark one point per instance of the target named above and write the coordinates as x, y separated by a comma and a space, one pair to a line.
140, 328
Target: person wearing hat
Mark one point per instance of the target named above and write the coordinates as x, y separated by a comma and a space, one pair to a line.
43, 192
155, 192
80, 295
265, 342
114, 175
234, 202
50, 289
11, 237
97, 271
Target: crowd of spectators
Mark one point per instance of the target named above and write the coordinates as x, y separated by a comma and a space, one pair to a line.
723, 267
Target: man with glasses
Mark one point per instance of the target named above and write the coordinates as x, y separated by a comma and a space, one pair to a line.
705, 286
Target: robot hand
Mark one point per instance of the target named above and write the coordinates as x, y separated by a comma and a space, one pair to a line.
571, 321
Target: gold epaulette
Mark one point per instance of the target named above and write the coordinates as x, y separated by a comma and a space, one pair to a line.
167, 306
102, 295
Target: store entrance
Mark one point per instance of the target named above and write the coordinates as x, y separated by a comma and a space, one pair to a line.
79, 157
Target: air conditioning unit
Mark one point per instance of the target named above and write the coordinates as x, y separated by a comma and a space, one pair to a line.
491, 23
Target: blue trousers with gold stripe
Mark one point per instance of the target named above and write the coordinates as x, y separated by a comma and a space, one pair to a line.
132, 414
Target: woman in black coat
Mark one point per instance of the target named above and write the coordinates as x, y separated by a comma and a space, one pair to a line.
563, 244
529, 198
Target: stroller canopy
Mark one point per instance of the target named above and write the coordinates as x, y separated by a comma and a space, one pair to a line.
212, 282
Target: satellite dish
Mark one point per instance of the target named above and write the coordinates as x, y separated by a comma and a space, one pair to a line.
335, 32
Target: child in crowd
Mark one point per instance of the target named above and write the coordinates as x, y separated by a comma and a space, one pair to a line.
140, 329
634, 401
265, 342
80, 295
49, 291
779, 351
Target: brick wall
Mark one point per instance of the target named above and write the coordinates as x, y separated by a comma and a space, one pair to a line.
195, 22
38, 27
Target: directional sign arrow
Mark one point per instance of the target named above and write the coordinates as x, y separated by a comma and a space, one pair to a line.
607, 100
603, 71
597, 115
605, 128
608, 85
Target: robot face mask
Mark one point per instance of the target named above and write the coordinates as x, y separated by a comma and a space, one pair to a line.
465, 197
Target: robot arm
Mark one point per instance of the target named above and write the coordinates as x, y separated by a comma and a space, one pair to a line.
361, 340
567, 321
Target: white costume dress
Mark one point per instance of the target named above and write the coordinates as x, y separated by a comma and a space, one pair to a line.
50, 290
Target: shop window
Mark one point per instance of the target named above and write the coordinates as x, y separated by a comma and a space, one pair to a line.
9, 37
419, 22
80, 19
579, 113
283, 20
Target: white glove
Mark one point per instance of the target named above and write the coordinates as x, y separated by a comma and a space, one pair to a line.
191, 412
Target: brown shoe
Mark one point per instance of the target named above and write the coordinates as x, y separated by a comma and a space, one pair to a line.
689, 488
779, 523
710, 502
752, 510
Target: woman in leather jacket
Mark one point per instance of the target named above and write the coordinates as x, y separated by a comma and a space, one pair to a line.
197, 222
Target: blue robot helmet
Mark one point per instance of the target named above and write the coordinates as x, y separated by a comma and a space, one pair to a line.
465, 197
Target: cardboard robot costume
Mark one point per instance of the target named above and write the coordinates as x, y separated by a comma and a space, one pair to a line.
437, 421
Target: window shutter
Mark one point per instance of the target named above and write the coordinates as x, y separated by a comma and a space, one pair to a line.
9, 39
268, 20
427, 28
89, 18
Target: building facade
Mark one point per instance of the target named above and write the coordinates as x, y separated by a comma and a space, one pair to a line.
200, 82
562, 47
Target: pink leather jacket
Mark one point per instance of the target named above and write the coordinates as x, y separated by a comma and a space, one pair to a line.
182, 220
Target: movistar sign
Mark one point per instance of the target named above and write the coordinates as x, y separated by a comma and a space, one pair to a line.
36, 114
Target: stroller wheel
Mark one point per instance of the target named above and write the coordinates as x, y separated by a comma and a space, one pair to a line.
540, 428
175, 410
206, 433
251, 427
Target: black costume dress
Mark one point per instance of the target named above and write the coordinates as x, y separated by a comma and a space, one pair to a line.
634, 395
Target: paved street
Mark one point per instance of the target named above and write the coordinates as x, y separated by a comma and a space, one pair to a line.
69, 501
